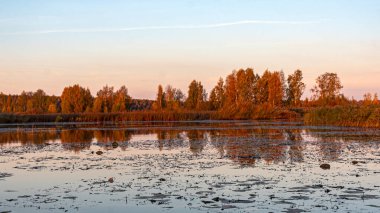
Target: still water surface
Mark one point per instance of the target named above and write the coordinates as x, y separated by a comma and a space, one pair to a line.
205, 166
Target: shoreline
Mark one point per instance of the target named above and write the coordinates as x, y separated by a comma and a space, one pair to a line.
347, 116
143, 116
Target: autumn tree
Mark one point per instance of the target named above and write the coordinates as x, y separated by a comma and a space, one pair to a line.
230, 91
173, 98
179, 97
245, 87
104, 100
22, 101
52, 108
276, 89
170, 102
75, 99
262, 88
196, 96
2, 101
159, 104
295, 88
38, 102
375, 99
217, 96
121, 100
367, 99
8, 105
53, 105
240, 93
270, 88
327, 88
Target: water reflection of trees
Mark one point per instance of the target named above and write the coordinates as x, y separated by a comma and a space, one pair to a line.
197, 140
296, 148
28, 136
170, 139
106, 138
76, 139
245, 146
331, 142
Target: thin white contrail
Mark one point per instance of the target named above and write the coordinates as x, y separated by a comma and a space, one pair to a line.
173, 27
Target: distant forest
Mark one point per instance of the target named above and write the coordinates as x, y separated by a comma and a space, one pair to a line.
241, 94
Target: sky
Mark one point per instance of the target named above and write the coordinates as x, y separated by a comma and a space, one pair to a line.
51, 44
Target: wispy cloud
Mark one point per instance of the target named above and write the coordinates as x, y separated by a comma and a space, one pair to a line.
170, 27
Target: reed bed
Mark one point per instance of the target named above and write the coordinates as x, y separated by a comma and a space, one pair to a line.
257, 114
109, 117
355, 116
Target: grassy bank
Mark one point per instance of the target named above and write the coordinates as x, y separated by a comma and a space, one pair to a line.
261, 113
112, 117
355, 116
149, 116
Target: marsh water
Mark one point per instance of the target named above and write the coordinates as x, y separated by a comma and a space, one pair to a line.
201, 166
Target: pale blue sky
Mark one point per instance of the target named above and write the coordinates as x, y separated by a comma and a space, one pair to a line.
50, 44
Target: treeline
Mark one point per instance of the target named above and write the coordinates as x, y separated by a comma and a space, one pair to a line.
74, 99
243, 94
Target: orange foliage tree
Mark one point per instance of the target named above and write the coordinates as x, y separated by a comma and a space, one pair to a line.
196, 97
76, 99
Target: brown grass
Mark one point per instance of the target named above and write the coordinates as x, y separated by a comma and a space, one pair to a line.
258, 113
111, 117
355, 116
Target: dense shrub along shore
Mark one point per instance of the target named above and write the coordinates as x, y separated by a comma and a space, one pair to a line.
353, 116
